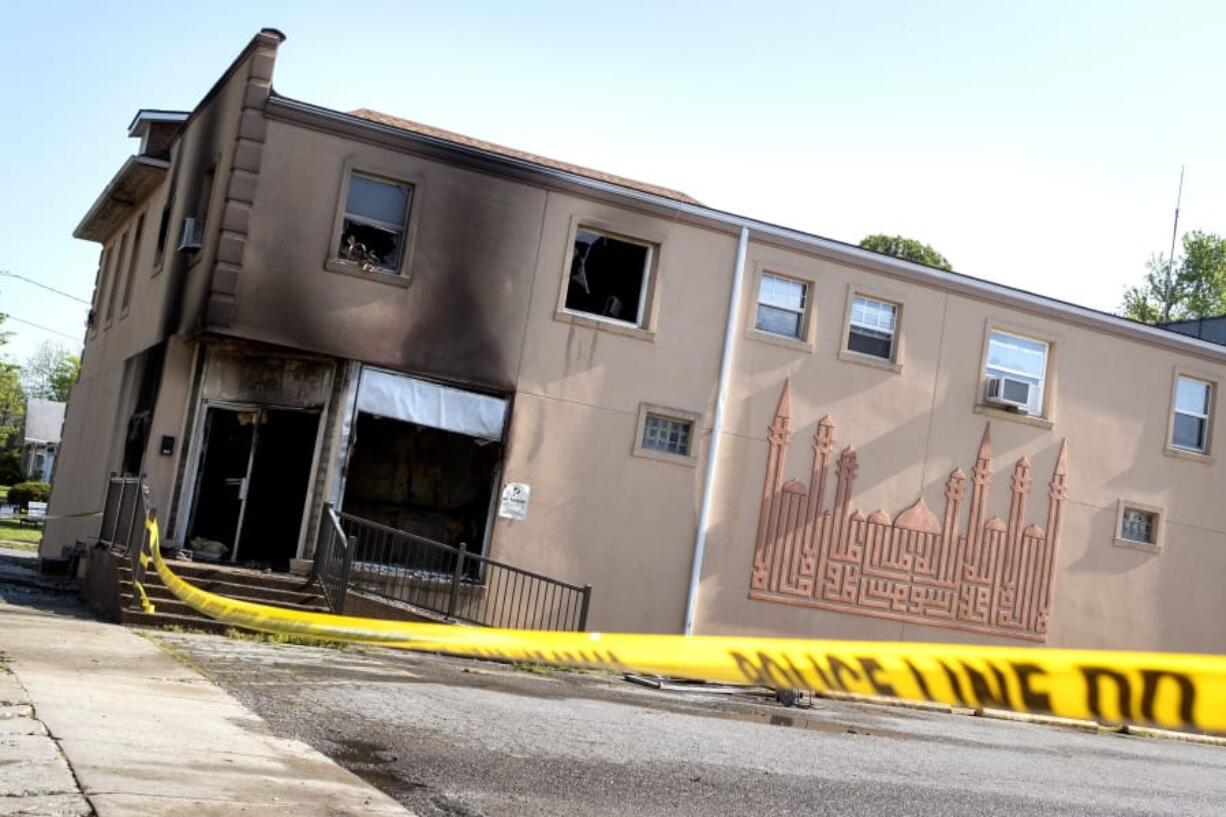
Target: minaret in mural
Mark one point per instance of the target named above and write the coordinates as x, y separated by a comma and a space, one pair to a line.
996, 577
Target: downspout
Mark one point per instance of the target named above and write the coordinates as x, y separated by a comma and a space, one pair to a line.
717, 425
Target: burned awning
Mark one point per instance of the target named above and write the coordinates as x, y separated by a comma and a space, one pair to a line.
400, 397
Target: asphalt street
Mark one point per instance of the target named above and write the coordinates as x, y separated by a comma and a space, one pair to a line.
451, 736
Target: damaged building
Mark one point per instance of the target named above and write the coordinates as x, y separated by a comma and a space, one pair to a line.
721, 425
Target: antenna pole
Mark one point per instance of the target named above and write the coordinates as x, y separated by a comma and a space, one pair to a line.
1170, 259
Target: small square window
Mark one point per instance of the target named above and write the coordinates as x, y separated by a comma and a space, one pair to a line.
609, 277
667, 434
781, 306
1141, 526
1138, 526
373, 226
1190, 423
1016, 372
872, 327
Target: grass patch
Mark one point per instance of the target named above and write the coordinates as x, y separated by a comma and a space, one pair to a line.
22, 537
4, 492
532, 667
285, 638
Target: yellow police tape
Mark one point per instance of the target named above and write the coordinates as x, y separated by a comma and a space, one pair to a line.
1179, 691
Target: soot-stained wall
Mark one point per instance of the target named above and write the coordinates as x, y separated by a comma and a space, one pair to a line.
472, 253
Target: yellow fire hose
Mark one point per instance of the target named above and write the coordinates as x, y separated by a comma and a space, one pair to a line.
1169, 690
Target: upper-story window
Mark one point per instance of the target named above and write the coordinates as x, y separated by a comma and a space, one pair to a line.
872, 327
133, 257
374, 223
1193, 407
609, 277
781, 306
1016, 372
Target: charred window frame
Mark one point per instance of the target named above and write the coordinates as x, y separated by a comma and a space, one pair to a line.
159, 252
117, 260
100, 281
376, 216
133, 257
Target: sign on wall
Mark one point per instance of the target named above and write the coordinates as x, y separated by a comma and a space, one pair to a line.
514, 504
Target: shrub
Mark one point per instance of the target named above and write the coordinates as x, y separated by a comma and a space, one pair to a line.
23, 493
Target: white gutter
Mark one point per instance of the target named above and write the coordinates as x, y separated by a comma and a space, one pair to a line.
717, 426
889, 265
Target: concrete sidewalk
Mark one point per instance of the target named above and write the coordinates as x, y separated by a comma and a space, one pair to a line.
141, 733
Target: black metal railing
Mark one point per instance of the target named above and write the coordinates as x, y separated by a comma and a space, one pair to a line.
454, 582
333, 559
123, 531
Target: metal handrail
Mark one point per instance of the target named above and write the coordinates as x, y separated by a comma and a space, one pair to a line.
454, 582
333, 560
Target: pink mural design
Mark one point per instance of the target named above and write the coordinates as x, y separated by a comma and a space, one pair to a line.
995, 578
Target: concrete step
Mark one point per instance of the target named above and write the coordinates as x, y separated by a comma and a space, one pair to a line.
233, 575
264, 595
173, 605
161, 620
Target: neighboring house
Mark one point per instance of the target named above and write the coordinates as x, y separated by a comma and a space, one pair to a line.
41, 438
296, 306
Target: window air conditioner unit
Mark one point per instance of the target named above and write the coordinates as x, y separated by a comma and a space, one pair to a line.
192, 236
1008, 392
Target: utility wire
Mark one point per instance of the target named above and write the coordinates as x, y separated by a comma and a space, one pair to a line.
40, 326
7, 274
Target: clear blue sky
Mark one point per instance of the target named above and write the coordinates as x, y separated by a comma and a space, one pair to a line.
1035, 144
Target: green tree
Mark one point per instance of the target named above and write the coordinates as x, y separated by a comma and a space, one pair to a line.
907, 249
50, 372
12, 399
1193, 286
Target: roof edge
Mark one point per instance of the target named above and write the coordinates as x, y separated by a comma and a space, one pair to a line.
879, 262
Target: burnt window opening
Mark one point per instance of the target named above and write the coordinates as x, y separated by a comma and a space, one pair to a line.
133, 257
116, 264
163, 228
373, 226
608, 277
428, 482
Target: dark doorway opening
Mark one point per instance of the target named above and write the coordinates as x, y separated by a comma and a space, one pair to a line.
433, 483
251, 486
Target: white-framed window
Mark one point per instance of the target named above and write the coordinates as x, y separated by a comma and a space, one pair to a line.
871, 327
1190, 423
781, 306
610, 277
1015, 358
374, 223
670, 435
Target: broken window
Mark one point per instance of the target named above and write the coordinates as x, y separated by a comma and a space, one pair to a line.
667, 434
781, 306
608, 277
373, 226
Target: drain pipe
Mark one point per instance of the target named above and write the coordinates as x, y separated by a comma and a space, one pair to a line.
717, 425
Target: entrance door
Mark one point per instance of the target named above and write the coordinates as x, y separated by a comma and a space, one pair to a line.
251, 488
221, 482
277, 489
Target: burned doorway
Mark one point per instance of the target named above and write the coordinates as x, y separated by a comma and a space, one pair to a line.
424, 458
251, 484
